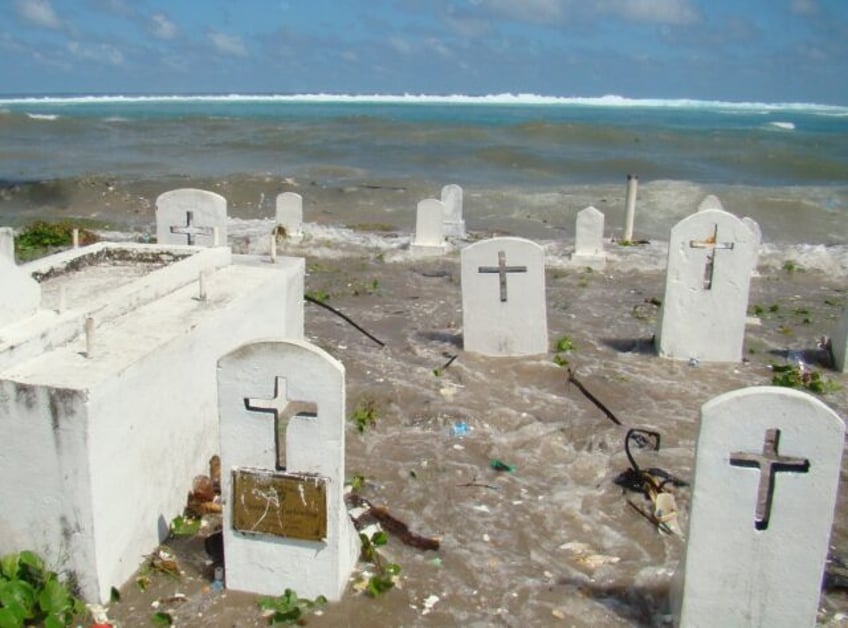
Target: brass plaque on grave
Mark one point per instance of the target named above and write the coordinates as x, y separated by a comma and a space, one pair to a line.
290, 505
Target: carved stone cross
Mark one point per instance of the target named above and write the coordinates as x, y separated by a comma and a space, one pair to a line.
283, 409
190, 230
769, 462
501, 270
713, 245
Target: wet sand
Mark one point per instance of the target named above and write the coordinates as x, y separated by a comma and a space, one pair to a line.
555, 542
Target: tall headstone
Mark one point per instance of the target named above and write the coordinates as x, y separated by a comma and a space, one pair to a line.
429, 228
282, 417
589, 238
454, 223
504, 311
290, 214
191, 216
20, 295
767, 466
708, 276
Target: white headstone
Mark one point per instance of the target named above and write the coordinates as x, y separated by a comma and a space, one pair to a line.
711, 201
767, 468
20, 295
453, 220
589, 237
7, 242
282, 414
503, 297
708, 277
839, 343
190, 216
290, 214
429, 228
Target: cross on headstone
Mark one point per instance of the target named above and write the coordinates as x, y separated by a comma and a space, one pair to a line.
190, 230
501, 270
769, 462
283, 409
713, 245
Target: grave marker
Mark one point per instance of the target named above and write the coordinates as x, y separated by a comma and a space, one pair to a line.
454, 224
503, 297
708, 277
191, 216
290, 214
711, 201
21, 294
589, 238
284, 528
767, 466
429, 228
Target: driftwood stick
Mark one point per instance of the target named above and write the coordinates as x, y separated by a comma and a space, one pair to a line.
343, 316
573, 379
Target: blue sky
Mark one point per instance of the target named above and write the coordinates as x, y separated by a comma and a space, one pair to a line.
738, 50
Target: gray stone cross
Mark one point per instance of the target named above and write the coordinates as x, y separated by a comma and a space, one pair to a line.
190, 230
283, 409
769, 462
713, 245
501, 270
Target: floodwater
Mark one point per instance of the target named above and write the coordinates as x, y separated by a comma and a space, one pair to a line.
555, 541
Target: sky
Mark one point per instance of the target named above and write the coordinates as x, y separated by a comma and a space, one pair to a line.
732, 50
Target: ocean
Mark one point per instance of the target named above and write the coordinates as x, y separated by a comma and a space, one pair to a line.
528, 163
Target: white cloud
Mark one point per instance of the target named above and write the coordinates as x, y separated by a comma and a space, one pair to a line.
674, 12
229, 45
161, 27
805, 7
103, 53
39, 13
526, 10
399, 45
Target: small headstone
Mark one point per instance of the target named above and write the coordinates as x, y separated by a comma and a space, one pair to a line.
429, 228
282, 417
703, 315
453, 220
839, 344
190, 216
21, 294
290, 214
504, 311
7, 242
767, 466
589, 238
711, 201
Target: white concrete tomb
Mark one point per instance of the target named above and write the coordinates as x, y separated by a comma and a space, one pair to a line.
708, 276
282, 412
429, 228
290, 214
767, 466
589, 238
103, 432
454, 223
191, 216
504, 311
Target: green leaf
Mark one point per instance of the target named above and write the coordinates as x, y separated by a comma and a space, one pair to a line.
162, 619
54, 597
289, 616
379, 538
9, 566
11, 617
17, 593
52, 621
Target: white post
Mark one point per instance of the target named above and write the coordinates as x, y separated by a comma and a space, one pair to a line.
632, 186
75, 237
89, 337
216, 235
273, 248
201, 284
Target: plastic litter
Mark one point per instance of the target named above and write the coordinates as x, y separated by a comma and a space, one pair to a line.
460, 429
499, 465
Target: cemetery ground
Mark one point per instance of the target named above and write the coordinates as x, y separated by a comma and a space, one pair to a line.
549, 538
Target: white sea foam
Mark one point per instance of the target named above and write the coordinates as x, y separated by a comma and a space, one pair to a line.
42, 116
610, 100
787, 126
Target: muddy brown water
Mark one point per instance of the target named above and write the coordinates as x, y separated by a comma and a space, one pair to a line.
555, 542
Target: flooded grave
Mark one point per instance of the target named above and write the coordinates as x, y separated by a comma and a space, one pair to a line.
108, 397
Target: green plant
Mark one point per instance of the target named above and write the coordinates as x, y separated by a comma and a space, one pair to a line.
185, 526
318, 295
564, 344
790, 266
560, 361
357, 482
41, 236
365, 414
386, 573
31, 595
792, 376
757, 310
288, 608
